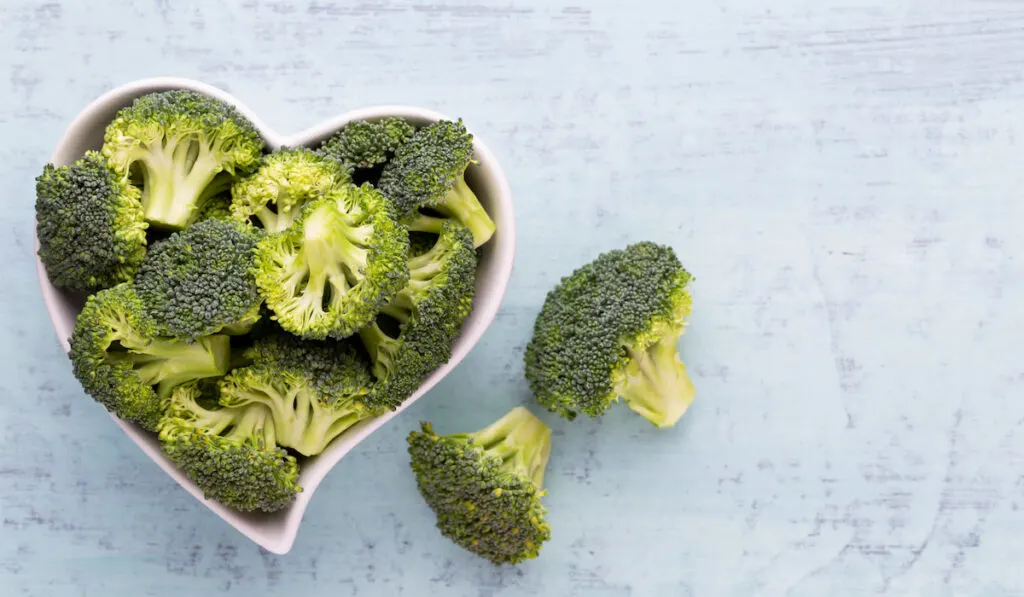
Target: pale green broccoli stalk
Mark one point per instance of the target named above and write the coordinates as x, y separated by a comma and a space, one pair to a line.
314, 391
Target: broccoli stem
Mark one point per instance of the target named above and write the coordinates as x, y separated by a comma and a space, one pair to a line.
302, 422
462, 204
175, 176
276, 222
332, 258
327, 423
169, 363
656, 384
424, 223
521, 440
381, 348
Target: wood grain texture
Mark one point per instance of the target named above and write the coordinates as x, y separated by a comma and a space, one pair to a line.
842, 176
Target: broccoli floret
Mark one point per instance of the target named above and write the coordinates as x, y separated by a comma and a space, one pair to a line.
486, 487
91, 231
231, 454
429, 171
200, 280
287, 180
315, 390
216, 207
185, 146
118, 356
365, 144
330, 273
429, 312
610, 329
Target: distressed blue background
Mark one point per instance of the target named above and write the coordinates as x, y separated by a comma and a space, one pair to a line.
843, 177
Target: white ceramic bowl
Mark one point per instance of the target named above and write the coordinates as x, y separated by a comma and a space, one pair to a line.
277, 532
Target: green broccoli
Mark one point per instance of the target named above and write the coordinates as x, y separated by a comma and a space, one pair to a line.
90, 227
185, 146
429, 171
315, 390
330, 273
429, 313
216, 207
200, 280
486, 487
365, 144
610, 330
118, 356
287, 180
231, 454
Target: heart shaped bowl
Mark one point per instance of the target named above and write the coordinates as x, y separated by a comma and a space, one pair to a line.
277, 532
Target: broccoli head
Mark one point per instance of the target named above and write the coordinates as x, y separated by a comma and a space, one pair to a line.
429, 312
365, 144
231, 454
314, 390
610, 329
333, 271
287, 180
118, 356
91, 231
486, 487
185, 147
200, 280
429, 171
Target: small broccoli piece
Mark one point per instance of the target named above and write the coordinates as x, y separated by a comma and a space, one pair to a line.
486, 487
365, 144
231, 454
429, 312
331, 272
429, 171
90, 227
217, 207
185, 146
609, 330
314, 390
287, 180
200, 280
118, 356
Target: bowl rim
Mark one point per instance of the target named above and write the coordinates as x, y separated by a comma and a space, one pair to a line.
504, 245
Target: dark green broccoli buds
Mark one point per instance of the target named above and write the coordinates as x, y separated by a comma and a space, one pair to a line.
486, 487
429, 171
200, 280
364, 144
89, 222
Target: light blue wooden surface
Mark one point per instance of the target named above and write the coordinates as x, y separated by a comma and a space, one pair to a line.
843, 177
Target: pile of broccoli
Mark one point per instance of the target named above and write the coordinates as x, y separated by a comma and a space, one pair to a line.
251, 305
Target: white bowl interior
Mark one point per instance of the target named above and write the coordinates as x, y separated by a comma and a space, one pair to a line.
277, 532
